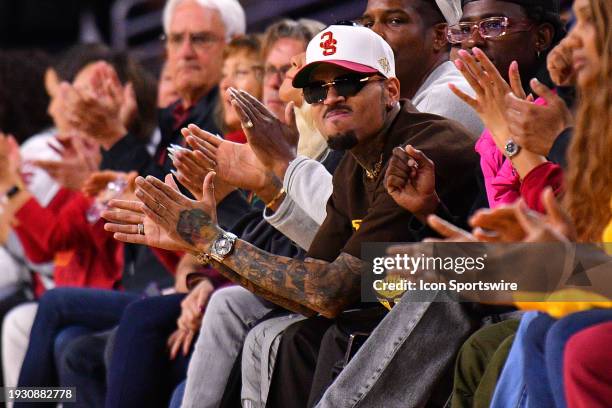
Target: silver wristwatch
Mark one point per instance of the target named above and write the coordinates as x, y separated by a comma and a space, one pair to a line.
511, 149
222, 246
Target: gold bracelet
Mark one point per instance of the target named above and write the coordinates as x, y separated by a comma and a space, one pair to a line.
203, 259
277, 197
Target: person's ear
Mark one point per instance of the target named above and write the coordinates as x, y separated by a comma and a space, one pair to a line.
440, 43
544, 37
392, 89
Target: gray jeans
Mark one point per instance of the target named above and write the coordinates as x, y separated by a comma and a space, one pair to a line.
230, 314
403, 359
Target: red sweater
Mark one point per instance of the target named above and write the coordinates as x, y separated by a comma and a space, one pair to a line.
545, 175
84, 254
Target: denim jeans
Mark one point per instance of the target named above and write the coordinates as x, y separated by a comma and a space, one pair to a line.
555, 339
81, 365
403, 359
510, 391
141, 373
59, 308
539, 393
63, 340
177, 395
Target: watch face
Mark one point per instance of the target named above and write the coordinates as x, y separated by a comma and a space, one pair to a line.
511, 148
223, 246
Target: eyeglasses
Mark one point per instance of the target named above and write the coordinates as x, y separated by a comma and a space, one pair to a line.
316, 92
271, 70
492, 27
199, 41
241, 73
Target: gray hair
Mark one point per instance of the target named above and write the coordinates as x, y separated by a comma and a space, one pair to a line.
232, 15
303, 29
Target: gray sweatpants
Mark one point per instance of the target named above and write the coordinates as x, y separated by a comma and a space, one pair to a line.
259, 356
230, 314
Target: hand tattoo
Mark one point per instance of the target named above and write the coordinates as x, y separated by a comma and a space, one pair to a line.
190, 225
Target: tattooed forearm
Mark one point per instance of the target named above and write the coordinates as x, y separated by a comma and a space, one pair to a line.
192, 226
266, 294
327, 288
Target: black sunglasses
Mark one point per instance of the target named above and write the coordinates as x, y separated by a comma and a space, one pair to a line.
347, 86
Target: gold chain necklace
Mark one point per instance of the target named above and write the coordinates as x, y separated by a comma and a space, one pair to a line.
373, 174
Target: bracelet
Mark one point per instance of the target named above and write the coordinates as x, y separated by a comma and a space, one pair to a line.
203, 259
276, 198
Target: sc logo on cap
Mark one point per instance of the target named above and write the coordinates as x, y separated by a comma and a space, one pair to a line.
329, 43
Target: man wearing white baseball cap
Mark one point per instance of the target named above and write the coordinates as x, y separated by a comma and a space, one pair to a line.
349, 79
354, 48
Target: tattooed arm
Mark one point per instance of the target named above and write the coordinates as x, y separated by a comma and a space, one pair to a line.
173, 221
327, 288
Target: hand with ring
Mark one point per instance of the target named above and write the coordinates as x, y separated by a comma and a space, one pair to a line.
273, 140
234, 164
171, 220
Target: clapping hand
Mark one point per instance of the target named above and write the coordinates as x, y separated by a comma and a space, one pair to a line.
98, 181
192, 166
491, 89
536, 127
163, 217
79, 158
554, 226
103, 108
411, 181
560, 65
234, 163
274, 142
10, 161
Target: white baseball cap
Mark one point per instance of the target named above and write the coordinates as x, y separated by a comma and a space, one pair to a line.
354, 48
451, 10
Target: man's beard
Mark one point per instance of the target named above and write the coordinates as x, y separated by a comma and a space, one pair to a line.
344, 141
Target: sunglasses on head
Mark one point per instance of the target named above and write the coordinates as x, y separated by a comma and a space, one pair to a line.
346, 86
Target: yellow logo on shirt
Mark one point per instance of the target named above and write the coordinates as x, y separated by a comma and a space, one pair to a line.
356, 224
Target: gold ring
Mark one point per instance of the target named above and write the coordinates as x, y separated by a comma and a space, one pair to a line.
141, 229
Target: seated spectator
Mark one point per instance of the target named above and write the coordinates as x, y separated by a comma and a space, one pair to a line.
148, 326
416, 31
533, 29
535, 362
23, 114
70, 235
195, 78
348, 122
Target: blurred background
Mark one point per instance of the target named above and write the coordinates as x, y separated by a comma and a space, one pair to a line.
135, 25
